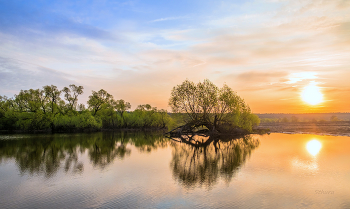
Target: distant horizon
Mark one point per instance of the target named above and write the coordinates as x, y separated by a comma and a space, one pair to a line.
305, 113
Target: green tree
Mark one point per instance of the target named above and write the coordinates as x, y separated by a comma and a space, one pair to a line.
28, 100
122, 106
54, 99
71, 96
29, 110
163, 118
218, 109
144, 116
98, 100
54, 102
7, 119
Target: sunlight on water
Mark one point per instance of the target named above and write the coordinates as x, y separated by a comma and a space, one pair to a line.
313, 147
311, 166
147, 170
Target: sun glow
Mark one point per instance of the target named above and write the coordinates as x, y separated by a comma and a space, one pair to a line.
313, 147
311, 94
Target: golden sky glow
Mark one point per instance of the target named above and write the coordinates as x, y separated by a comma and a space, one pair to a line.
281, 56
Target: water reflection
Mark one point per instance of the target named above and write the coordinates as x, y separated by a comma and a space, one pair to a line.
47, 154
313, 147
195, 161
305, 165
202, 161
280, 173
310, 163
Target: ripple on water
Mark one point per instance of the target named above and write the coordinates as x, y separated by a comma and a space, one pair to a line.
278, 174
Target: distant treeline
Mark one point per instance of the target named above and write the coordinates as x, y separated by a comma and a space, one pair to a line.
51, 109
309, 117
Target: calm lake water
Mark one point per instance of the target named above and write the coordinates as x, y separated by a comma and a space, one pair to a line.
146, 170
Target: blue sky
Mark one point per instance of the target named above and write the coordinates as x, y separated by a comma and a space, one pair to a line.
139, 50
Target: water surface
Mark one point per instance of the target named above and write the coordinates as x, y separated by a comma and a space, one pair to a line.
133, 170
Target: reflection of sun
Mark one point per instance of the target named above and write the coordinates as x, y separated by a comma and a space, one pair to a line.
312, 94
313, 147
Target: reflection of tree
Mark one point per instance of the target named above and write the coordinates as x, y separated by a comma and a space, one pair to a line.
42, 155
106, 148
201, 161
47, 154
149, 141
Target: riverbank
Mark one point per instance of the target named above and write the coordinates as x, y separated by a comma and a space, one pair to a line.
336, 128
49, 131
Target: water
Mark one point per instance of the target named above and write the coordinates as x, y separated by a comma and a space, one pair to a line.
146, 170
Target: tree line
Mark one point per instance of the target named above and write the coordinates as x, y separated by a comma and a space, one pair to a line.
58, 110
195, 107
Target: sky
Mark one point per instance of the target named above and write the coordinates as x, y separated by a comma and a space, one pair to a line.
268, 51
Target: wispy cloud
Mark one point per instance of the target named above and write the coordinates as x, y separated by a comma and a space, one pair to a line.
169, 18
296, 77
16, 75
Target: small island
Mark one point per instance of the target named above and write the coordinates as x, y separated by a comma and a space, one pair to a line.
205, 108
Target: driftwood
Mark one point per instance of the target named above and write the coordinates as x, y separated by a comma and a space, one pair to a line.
203, 134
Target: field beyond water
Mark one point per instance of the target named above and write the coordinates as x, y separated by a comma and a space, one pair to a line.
306, 116
335, 128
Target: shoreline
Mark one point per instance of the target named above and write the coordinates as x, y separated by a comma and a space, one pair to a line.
83, 131
336, 128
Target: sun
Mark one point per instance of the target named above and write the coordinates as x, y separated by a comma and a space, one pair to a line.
311, 94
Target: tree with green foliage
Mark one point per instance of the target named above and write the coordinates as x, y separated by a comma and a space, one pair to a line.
58, 110
44, 109
163, 118
30, 110
144, 116
206, 105
54, 99
98, 100
71, 96
122, 106
6, 121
